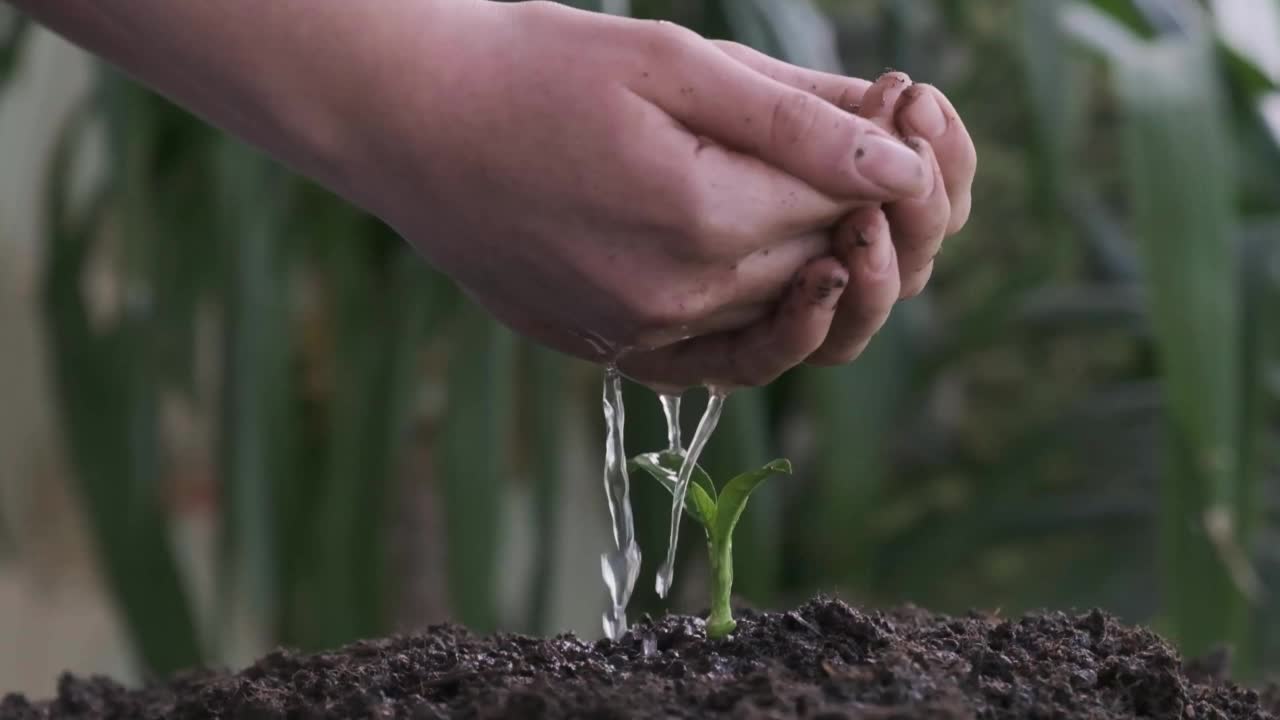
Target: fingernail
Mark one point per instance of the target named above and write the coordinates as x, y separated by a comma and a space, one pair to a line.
924, 115
890, 165
876, 254
826, 292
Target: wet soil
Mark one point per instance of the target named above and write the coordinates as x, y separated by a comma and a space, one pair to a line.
824, 661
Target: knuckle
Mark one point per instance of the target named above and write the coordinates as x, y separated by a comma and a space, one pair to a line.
706, 226
842, 165
921, 234
793, 118
932, 229
668, 40
850, 99
894, 78
733, 48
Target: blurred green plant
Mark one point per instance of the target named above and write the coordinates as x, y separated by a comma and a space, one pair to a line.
1186, 220
1086, 392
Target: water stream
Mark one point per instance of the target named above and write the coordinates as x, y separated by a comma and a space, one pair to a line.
621, 566
671, 408
710, 417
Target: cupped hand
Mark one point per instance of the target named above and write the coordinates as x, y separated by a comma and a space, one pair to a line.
621, 189
886, 252
923, 117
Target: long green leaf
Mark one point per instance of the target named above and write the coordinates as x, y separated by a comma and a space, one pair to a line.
545, 386
254, 429
473, 462
1051, 80
1099, 31
734, 496
108, 409
17, 28
1183, 193
854, 411
380, 310
742, 440
1260, 356
664, 467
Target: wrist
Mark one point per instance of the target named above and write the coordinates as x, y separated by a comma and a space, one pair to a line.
345, 118
388, 105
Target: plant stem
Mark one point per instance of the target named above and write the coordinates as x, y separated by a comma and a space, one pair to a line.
720, 622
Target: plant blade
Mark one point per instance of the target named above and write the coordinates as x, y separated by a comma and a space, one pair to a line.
473, 462
255, 381
1183, 193
665, 467
734, 496
742, 440
546, 386
109, 422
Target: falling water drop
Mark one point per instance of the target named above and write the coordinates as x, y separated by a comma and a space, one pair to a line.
710, 416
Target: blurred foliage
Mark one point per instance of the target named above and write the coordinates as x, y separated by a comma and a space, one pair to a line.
1079, 411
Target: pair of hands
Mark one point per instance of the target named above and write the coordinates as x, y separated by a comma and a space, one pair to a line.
697, 211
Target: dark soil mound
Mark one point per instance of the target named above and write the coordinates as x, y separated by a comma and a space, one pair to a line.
825, 660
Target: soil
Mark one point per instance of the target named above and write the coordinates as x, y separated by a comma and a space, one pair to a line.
824, 661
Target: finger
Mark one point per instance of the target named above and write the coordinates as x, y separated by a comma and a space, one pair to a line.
913, 283
925, 112
864, 245
919, 226
763, 276
746, 204
755, 355
747, 290
843, 92
880, 103
837, 153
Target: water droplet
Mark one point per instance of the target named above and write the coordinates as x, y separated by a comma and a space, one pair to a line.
649, 645
663, 582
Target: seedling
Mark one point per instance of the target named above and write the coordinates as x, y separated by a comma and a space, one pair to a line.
718, 514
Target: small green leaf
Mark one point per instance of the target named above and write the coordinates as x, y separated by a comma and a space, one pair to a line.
670, 462
664, 466
733, 498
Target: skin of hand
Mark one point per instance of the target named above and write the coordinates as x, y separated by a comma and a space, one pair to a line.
665, 222
602, 185
887, 251
926, 120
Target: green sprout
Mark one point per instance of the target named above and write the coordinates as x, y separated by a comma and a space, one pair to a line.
718, 514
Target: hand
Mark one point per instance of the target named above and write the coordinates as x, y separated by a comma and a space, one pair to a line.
606, 185
887, 253
600, 184
926, 120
